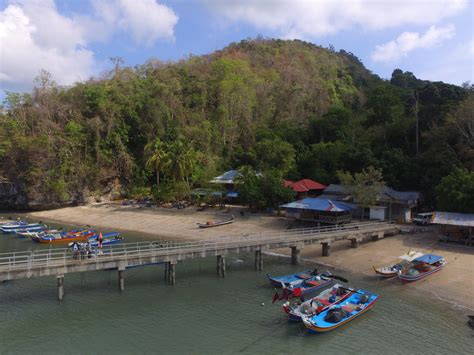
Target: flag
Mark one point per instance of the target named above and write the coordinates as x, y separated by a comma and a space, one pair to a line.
275, 297
100, 240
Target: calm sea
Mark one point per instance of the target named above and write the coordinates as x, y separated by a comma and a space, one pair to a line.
203, 314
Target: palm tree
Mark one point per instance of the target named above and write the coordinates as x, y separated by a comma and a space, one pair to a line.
158, 158
181, 161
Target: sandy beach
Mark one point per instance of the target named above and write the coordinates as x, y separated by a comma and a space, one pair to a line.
455, 283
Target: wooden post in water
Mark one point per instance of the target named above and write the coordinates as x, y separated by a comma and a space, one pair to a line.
60, 287
326, 249
258, 260
295, 255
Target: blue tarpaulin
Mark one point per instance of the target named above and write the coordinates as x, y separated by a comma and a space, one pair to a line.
429, 258
318, 204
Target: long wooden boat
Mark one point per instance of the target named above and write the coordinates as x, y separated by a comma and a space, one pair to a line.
210, 224
392, 270
422, 267
290, 279
21, 227
335, 316
63, 239
304, 286
318, 304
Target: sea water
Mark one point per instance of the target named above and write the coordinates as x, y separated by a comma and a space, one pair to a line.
205, 314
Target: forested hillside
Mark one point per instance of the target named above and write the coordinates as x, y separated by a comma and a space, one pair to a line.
291, 107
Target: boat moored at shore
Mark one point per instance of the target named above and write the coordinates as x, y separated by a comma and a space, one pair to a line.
403, 261
421, 267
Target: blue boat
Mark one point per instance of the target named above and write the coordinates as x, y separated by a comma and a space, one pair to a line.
291, 279
107, 239
22, 227
335, 316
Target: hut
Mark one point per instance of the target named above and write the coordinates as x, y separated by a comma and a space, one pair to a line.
455, 227
321, 211
305, 187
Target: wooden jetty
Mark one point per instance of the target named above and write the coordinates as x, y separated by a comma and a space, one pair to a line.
60, 261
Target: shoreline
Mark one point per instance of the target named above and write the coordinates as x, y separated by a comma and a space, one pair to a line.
453, 284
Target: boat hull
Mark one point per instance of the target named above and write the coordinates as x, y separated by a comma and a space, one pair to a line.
411, 278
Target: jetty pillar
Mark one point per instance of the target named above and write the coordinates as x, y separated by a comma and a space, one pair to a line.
121, 279
167, 267
326, 249
218, 265
354, 243
295, 255
258, 260
222, 266
172, 272
60, 287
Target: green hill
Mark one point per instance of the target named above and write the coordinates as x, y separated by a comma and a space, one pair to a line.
304, 110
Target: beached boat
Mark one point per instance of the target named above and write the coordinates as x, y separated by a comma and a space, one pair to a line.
108, 241
403, 261
22, 227
82, 236
287, 280
421, 267
318, 304
210, 224
343, 312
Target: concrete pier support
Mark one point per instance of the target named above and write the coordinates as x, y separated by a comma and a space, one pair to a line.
218, 268
354, 243
295, 255
258, 260
221, 266
60, 287
326, 249
167, 267
172, 272
121, 279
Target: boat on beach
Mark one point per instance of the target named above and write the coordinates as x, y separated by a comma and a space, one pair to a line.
356, 304
22, 226
61, 238
210, 224
318, 304
287, 280
421, 267
403, 261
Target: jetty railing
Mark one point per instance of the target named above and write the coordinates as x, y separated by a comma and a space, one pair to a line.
64, 256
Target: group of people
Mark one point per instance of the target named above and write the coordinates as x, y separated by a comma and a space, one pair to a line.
83, 250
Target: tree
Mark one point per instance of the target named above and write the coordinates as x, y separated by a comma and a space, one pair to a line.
158, 157
180, 160
275, 154
455, 192
365, 186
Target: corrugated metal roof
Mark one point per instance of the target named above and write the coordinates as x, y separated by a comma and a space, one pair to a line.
317, 204
454, 219
227, 178
304, 185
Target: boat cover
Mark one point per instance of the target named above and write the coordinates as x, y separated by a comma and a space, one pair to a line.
411, 255
429, 258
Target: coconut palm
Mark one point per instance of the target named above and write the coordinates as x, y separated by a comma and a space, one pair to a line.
158, 158
181, 161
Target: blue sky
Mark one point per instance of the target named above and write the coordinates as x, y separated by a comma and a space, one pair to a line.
74, 39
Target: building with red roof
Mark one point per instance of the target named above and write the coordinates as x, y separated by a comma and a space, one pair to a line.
305, 187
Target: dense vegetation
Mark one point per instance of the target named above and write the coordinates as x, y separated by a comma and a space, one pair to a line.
285, 106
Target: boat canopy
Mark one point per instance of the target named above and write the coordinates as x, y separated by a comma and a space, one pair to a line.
429, 258
411, 255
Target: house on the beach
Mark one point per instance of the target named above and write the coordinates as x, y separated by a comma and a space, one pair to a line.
391, 204
318, 210
305, 187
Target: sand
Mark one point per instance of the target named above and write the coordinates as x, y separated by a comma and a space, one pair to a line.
454, 283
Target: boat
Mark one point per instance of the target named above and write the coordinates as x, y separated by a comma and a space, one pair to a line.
403, 261
61, 238
318, 304
303, 285
44, 232
421, 267
287, 280
21, 227
210, 224
356, 304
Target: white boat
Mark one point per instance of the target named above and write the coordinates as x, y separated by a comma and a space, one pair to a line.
402, 262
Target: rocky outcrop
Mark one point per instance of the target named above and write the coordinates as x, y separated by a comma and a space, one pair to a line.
12, 196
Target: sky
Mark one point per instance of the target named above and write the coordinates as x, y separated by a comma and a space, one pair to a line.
75, 39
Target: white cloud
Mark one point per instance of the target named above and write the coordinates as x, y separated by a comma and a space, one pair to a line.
34, 36
409, 41
309, 19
